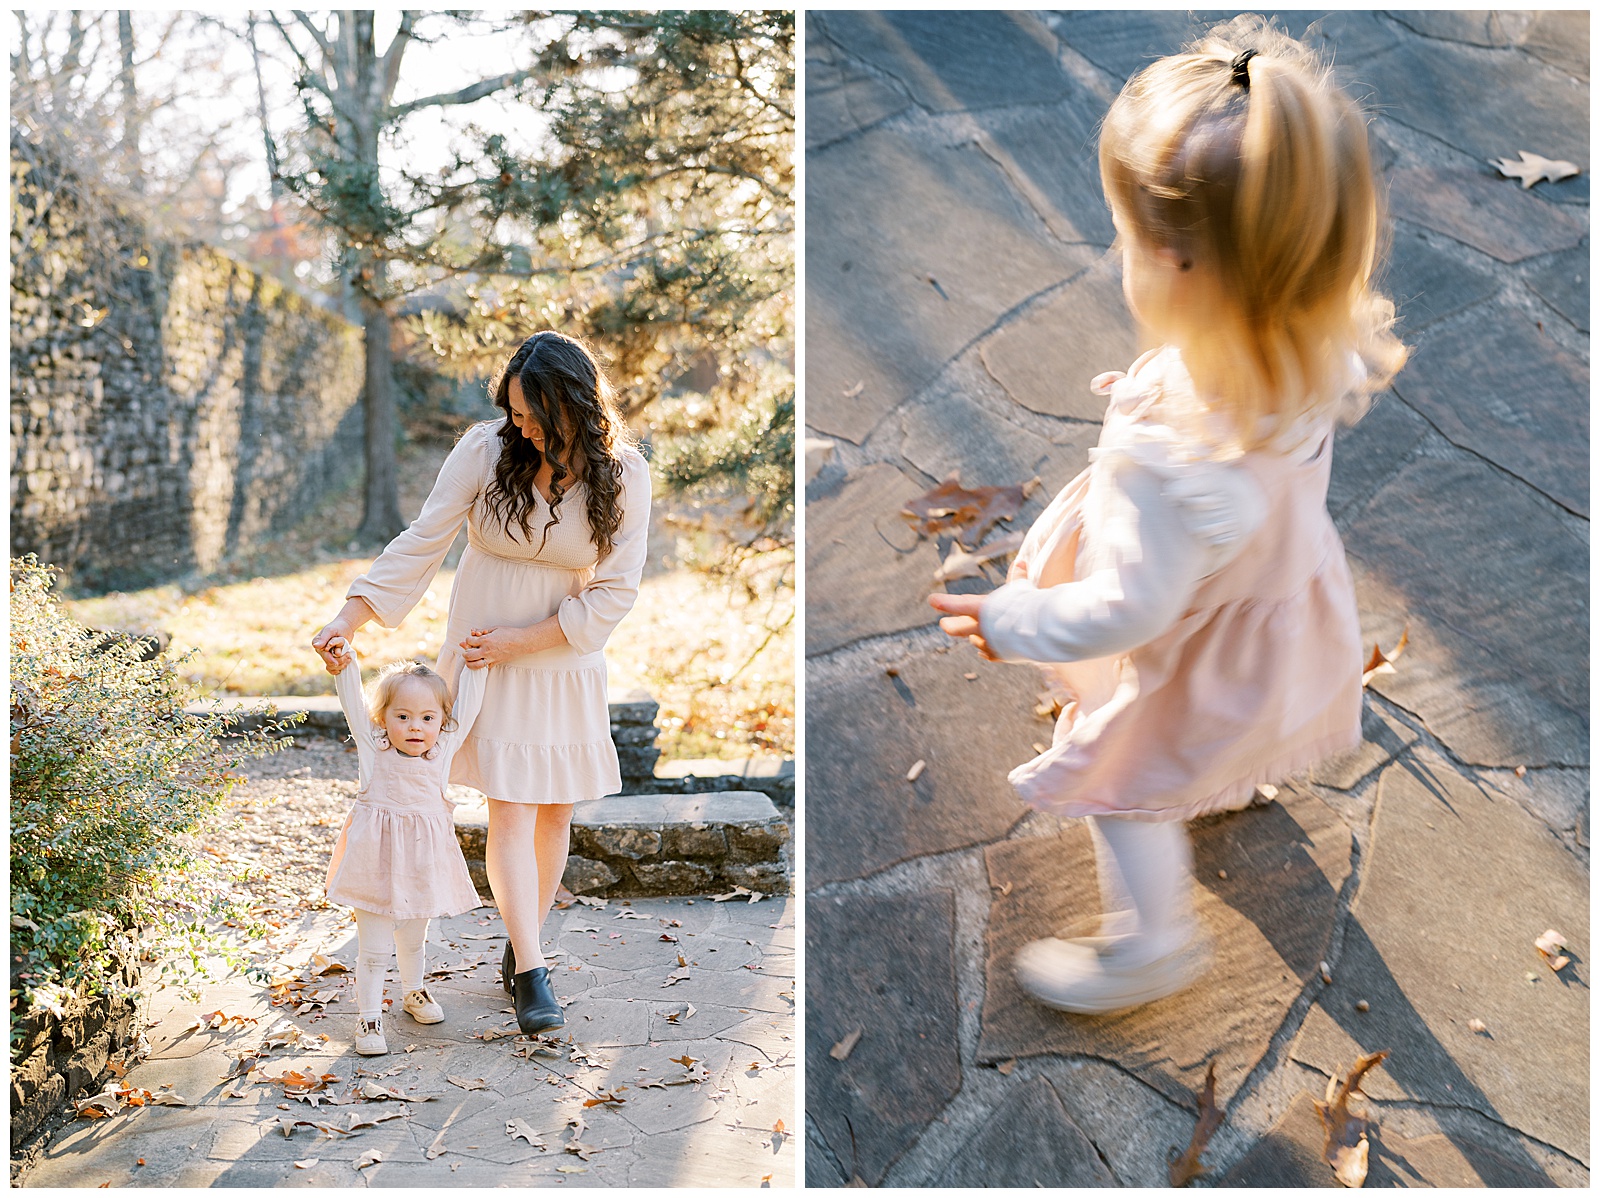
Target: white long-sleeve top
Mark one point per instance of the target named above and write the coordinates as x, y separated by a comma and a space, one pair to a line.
399, 578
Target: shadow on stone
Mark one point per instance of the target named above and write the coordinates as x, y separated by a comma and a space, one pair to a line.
1271, 918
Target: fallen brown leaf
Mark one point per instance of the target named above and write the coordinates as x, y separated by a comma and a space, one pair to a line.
371, 1157
1383, 663
1344, 1133
950, 506
516, 1128
467, 1083
845, 1047
1185, 1167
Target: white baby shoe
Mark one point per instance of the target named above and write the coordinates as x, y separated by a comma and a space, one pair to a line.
369, 1038
420, 1006
1096, 975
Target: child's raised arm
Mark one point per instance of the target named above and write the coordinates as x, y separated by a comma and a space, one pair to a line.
468, 702
347, 683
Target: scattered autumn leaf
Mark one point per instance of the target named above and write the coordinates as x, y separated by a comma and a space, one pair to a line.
518, 1128
1550, 943
1478, 1026
1531, 168
950, 506
309, 1163
744, 892
916, 769
571, 1169
1185, 1167
1383, 663
467, 1083
437, 1148
1005, 1067
370, 1157
845, 1047
1344, 1142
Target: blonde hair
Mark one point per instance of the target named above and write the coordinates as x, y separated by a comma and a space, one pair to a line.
389, 680
1256, 173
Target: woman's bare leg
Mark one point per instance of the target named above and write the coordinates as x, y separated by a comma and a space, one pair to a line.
512, 860
551, 840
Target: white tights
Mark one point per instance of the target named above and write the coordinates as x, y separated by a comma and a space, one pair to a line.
378, 938
1146, 868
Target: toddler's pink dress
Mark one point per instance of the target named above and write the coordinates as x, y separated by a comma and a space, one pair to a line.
1252, 669
545, 732
397, 854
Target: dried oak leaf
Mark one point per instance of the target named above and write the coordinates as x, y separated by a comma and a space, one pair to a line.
516, 1128
950, 506
467, 1083
1184, 1167
1383, 663
1344, 1133
1531, 168
370, 1157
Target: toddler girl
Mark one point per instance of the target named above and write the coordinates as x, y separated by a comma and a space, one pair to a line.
1189, 587
397, 860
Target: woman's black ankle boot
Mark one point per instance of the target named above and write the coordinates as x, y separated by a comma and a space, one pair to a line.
531, 996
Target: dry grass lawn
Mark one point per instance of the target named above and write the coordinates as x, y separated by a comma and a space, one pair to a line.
719, 661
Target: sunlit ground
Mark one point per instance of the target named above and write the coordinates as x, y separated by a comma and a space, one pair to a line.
723, 677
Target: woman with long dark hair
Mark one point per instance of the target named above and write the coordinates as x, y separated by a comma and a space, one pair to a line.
538, 591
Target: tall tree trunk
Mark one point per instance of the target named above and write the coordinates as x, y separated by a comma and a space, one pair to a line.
380, 519
132, 164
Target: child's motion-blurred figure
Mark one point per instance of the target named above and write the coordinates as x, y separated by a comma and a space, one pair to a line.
397, 860
1189, 589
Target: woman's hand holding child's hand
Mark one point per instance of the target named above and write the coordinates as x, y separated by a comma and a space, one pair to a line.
484, 647
333, 646
962, 622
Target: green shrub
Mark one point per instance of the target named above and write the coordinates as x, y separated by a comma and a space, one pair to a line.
109, 779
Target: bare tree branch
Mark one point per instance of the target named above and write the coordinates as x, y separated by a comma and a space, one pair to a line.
466, 95
389, 65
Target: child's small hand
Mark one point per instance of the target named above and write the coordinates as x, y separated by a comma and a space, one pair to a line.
962, 622
336, 653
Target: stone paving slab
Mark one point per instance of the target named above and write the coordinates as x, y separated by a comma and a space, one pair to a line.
869, 571
1428, 283
1271, 918
1473, 379
1427, 967
1030, 1142
1045, 358
880, 970
1478, 208
842, 98
1485, 104
1495, 666
716, 1132
904, 297
863, 815
1562, 281
942, 58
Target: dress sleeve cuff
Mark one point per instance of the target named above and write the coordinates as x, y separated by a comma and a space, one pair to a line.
1008, 620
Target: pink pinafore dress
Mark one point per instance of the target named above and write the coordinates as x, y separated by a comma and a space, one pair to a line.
1260, 676
397, 854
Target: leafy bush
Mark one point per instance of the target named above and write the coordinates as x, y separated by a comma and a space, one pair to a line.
109, 778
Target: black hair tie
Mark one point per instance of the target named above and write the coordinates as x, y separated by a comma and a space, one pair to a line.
1241, 68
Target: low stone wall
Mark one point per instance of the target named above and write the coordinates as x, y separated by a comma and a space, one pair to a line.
641, 846
55, 1059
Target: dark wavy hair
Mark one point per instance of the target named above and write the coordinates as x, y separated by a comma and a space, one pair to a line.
570, 398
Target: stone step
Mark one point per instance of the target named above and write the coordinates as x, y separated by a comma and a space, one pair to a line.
647, 845
630, 709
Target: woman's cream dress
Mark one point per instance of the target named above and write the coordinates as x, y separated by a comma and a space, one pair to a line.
544, 734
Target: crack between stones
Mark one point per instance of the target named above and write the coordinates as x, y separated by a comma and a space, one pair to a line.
816, 1141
